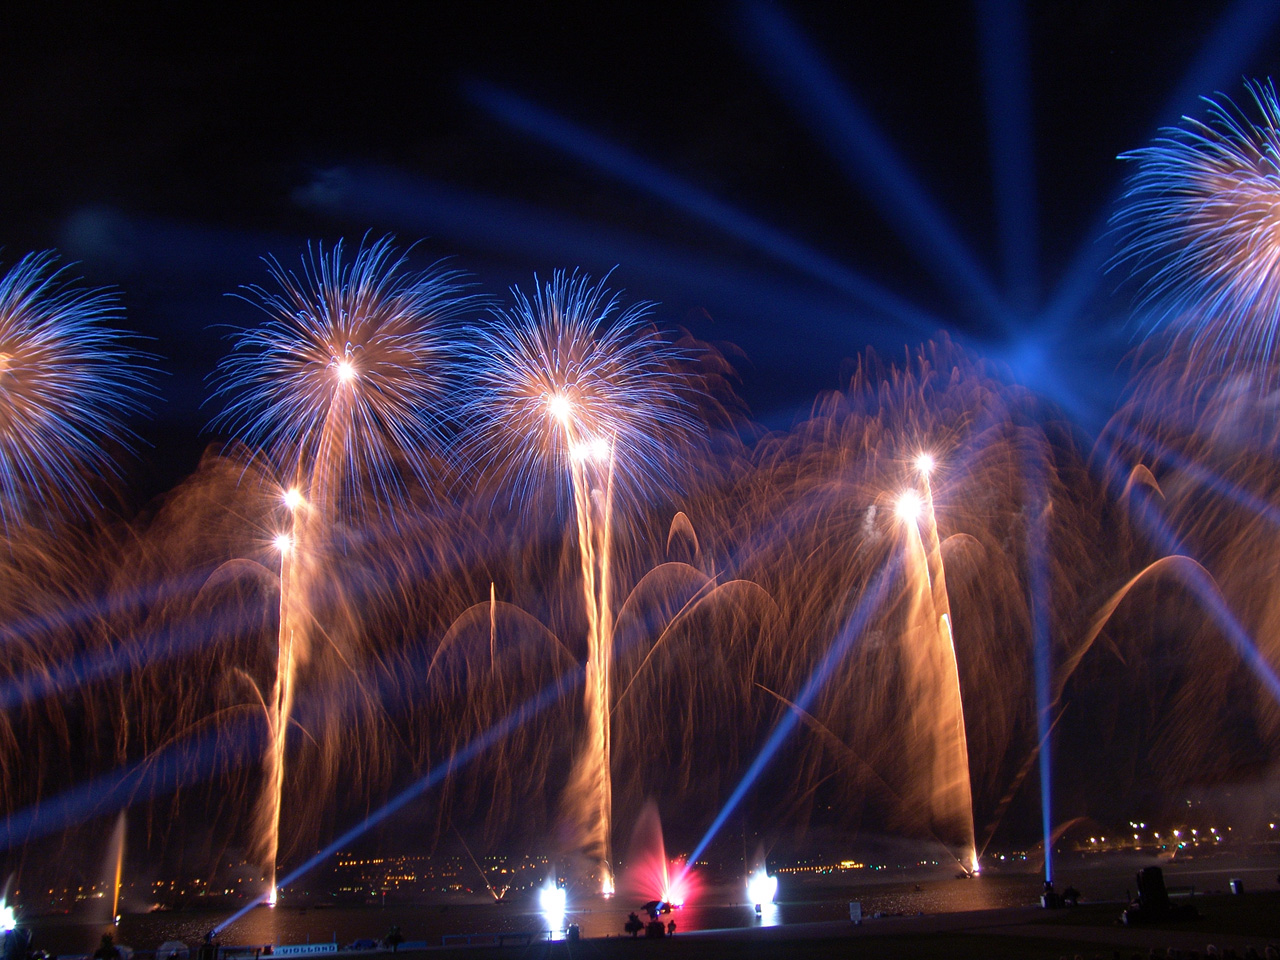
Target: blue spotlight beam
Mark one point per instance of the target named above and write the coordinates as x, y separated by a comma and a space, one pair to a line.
103, 664
852, 135
616, 162
112, 602
1236, 38
393, 199
1154, 525
1039, 585
182, 765
525, 712
1207, 478
1234, 42
853, 628
195, 252
1007, 76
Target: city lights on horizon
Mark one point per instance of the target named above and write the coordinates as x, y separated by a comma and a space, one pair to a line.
409, 875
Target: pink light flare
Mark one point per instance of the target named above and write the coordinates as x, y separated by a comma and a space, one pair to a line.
650, 875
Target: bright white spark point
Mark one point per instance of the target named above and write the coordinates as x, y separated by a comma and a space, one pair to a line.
293, 498
551, 899
673, 892
7, 918
560, 407
283, 542
596, 451
925, 463
909, 505
346, 370
761, 887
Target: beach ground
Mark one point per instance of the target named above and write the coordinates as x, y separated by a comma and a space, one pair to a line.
1028, 933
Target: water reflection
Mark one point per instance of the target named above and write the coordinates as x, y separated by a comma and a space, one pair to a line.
767, 915
719, 907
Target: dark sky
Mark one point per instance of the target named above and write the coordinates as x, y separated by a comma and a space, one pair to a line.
166, 153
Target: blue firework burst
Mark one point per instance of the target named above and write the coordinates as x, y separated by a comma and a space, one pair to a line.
573, 373
69, 382
343, 384
1200, 225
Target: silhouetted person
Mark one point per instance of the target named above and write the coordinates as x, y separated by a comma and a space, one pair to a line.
107, 949
393, 939
671, 929
633, 925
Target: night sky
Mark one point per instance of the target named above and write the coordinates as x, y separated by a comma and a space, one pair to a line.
167, 153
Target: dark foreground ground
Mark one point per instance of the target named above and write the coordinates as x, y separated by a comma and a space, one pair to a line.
1228, 922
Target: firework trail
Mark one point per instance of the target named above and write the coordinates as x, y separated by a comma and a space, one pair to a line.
557, 377
706, 573
1199, 223
68, 383
811, 520
1195, 444
933, 672
572, 383
341, 387
46, 693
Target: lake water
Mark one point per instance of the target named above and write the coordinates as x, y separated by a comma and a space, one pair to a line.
800, 901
